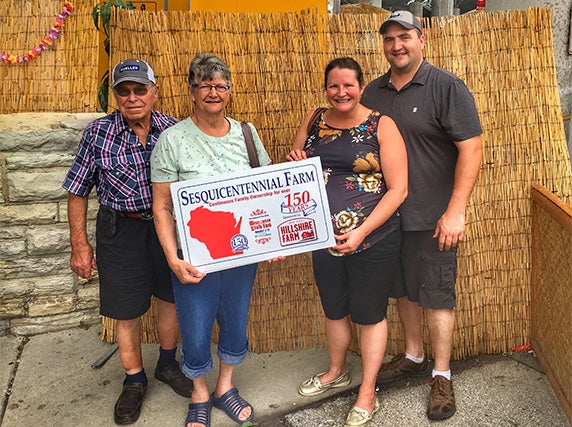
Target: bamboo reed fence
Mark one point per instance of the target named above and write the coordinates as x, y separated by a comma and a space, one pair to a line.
551, 294
506, 59
63, 78
277, 61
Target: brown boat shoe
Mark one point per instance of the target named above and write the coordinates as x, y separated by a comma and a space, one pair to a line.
399, 367
441, 400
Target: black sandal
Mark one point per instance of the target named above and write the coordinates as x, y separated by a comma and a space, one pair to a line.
232, 404
200, 413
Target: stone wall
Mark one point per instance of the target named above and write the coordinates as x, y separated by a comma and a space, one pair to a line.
38, 291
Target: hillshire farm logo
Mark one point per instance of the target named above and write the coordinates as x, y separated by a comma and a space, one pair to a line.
297, 230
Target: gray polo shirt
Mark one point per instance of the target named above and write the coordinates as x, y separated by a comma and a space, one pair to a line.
432, 111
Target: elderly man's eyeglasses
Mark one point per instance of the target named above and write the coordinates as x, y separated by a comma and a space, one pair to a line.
137, 90
207, 88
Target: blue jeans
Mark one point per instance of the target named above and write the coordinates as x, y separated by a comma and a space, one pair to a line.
224, 296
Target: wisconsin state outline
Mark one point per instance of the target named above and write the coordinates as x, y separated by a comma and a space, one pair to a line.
215, 229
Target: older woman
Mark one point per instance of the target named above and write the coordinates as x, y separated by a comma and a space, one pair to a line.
206, 144
365, 166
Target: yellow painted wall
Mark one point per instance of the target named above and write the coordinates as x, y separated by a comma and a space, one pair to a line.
152, 6
235, 6
177, 5
258, 6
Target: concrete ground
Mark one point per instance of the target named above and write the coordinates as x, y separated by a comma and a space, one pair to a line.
47, 380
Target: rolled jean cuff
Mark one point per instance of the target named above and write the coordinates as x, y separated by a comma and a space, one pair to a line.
232, 358
193, 373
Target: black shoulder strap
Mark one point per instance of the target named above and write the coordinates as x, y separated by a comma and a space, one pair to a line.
317, 113
250, 148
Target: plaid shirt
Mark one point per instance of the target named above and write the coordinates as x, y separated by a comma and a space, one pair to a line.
111, 158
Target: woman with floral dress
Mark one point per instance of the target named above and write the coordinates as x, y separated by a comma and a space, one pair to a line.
365, 169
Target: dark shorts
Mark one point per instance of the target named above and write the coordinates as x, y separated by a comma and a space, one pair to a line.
429, 273
131, 266
359, 285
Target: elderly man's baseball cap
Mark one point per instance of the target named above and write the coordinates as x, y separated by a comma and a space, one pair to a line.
404, 18
133, 70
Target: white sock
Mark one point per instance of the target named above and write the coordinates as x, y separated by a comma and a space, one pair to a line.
446, 374
413, 358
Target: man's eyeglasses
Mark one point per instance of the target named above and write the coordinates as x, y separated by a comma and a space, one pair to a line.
137, 90
207, 88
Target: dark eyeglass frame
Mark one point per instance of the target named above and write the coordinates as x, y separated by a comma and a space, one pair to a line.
139, 90
206, 88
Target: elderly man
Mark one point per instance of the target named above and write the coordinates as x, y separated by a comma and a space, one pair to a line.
438, 119
114, 157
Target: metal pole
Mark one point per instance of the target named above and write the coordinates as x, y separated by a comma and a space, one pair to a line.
336, 6
105, 357
442, 8
416, 8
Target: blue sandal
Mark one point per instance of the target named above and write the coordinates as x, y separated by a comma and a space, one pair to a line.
200, 413
232, 404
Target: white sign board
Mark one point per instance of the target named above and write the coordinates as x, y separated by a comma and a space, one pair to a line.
255, 215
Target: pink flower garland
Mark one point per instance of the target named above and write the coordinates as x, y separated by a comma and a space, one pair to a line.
47, 42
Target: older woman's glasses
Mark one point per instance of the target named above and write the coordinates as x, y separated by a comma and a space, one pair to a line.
207, 88
137, 90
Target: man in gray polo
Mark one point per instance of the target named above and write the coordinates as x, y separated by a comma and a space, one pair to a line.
438, 119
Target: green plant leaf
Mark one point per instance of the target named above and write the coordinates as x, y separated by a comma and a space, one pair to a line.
95, 16
103, 91
105, 13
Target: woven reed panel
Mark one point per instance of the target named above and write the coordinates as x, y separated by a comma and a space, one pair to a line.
63, 78
277, 60
271, 89
551, 293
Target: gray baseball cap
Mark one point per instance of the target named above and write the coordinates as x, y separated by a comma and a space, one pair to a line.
133, 70
404, 18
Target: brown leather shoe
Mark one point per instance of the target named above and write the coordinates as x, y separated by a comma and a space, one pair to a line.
128, 406
399, 367
173, 376
441, 400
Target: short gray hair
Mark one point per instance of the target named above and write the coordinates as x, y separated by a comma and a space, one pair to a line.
206, 66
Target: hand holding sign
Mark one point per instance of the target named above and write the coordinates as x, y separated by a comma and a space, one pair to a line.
256, 215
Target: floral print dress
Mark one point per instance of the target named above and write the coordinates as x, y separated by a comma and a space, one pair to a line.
352, 173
